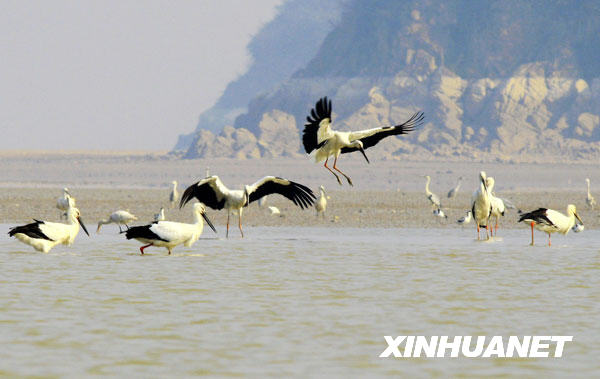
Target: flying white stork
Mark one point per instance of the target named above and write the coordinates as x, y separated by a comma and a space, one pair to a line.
44, 235
454, 191
119, 217
65, 201
319, 136
160, 216
170, 234
551, 221
496, 203
481, 206
321, 204
174, 195
590, 201
213, 193
465, 219
432, 197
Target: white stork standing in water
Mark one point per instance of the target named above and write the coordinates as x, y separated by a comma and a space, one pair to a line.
44, 235
590, 201
496, 203
174, 195
118, 217
170, 234
319, 136
481, 206
65, 201
321, 204
213, 193
454, 191
432, 197
550, 221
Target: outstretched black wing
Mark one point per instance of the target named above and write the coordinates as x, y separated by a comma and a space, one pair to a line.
210, 191
320, 112
300, 195
538, 216
371, 137
30, 230
143, 232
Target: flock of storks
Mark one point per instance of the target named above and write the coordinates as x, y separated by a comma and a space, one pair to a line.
211, 192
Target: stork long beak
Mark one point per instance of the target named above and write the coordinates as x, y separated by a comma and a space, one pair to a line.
363, 153
576, 215
82, 226
483, 181
205, 217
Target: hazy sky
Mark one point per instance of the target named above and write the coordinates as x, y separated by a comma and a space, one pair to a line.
117, 75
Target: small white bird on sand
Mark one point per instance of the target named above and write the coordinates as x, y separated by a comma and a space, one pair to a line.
321, 203
454, 191
169, 234
274, 210
174, 195
590, 201
160, 216
44, 235
439, 213
465, 219
432, 197
551, 221
65, 201
119, 217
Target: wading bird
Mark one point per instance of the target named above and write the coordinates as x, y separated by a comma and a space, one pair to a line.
169, 234
481, 206
432, 197
465, 219
118, 217
174, 195
454, 191
590, 201
65, 201
321, 204
439, 213
551, 221
496, 203
319, 136
213, 193
160, 216
44, 235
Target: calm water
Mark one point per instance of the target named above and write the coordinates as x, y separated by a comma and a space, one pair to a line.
294, 301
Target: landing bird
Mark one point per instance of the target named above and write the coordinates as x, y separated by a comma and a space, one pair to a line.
44, 235
481, 206
319, 136
465, 219
550, 221
321, 204
454, 191
496, 203
439, 213
213, 193
118, 217
432, 197
590, 201
160, 216
170, 234
65, 201
174, 195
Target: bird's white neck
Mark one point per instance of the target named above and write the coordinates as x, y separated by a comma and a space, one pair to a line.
427, 185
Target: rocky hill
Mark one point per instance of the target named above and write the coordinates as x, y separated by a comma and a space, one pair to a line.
502, 80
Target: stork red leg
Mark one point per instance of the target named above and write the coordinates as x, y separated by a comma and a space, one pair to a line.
549, 244
143, 247
338, 170
330, 170
532, 223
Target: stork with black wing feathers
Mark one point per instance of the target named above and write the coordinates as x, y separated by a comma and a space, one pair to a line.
319, 136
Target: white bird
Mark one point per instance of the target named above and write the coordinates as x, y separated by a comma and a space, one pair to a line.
64, 202
481, 206
321, 204
44, 235
160, 216
274, 210
590, 201
577, 228
439, 213
466, 218
432, 197
496, 203
319, 136
119, 217
174, 196
454, 191
551, 221
170, 234
213, 193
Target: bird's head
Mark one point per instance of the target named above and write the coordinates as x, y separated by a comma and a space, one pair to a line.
359, 145
322, 188
483, 178
174, 182
200, 209
75, 214
66, 190
572, 210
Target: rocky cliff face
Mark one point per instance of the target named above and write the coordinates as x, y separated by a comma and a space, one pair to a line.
531, 93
